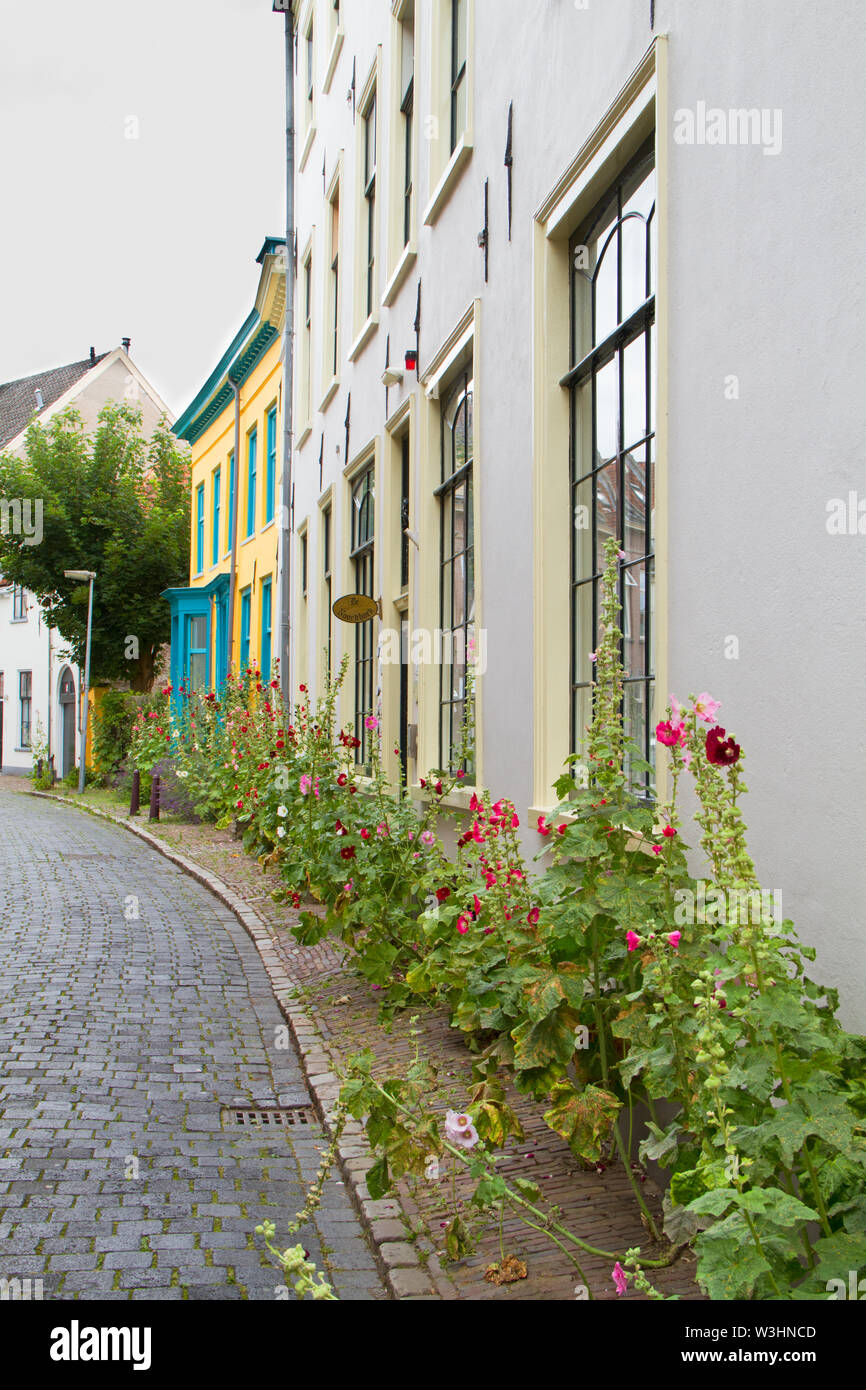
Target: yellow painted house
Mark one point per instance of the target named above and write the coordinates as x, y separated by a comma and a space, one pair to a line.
226, 619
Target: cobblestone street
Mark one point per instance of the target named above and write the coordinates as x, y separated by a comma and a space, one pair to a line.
134, 1009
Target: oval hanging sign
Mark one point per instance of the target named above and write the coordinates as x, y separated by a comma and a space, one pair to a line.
355, 608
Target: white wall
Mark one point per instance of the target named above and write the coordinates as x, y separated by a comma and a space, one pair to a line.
764, 283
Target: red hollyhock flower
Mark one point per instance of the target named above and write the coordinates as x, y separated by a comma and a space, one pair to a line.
340, 829
669, 832
303, 689
342, 780
543, 829
422, 783
460, 776
348, 852
532, 917
443, 894
438, 789
722, 751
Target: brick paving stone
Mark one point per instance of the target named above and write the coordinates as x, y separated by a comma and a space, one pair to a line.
126, 1032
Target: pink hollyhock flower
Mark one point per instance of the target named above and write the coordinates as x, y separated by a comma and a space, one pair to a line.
669, 832
474, 803
676, 709
305, 784
674, 938
657, 849
515, 823
427, 837
460, 776
349, 888
593, 657
632, 940
371, 722
382, 831
490, 879
460, 1130
706, 707
499, 808
478, 834
619, 1279
463, 925
533, 916
543, 827
670, 734
620, 554
476, 904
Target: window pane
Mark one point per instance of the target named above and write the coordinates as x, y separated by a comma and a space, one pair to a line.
606, 514
607, 411
634, 540
582, 548
606, 292
634, 391
634, 594
582, 705
198, 631
634, 264
584, 669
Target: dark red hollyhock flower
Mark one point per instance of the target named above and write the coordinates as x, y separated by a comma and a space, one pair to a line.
438, 789
422, 783
443, 894
348, 852
342, 780
722, 752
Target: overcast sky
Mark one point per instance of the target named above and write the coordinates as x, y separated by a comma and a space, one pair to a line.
153, 238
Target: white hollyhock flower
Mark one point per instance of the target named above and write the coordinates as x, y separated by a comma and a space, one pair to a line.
460, 1130
281, 832
282, 811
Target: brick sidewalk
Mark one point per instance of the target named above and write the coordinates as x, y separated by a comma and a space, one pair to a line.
343, 1008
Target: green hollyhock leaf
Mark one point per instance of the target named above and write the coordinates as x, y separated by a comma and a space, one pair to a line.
528, 1189
551, 988
378, 1179
729, 1268
627, 898
550, 1039
457, 1242
490, 1191
585, 1119
656, 1058
660, 1144
840, 1253
376, 961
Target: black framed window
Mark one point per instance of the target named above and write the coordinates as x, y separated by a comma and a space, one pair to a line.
335, 281
326, 579
25, 707
304, 564
458, 70
404, 512
310, 69
613, 431
370, 196
457, 561
362, 557
407, 108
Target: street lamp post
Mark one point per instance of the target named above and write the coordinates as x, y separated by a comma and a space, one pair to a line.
82, 576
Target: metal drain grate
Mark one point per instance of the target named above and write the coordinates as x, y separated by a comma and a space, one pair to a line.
267, 1118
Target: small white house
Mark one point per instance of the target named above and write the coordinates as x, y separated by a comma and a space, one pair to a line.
40, 704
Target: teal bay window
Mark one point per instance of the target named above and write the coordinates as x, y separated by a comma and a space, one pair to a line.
252, 447
267, 624
199, 635
271, 466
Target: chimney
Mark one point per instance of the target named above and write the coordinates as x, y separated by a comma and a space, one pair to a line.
92, 356
126, 344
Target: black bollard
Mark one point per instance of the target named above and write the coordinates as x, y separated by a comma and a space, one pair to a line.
39, 769
135, 798
154, 797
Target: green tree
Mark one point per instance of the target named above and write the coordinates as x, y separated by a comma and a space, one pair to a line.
112, 502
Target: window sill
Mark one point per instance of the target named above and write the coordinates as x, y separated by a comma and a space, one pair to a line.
448, 182
246, 540
404, 265
336, 48
18, 620
329, 394
455, 801
308, 145
268, 525
303, 436
364, 337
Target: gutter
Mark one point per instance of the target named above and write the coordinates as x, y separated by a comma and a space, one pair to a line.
236, 391
287, 520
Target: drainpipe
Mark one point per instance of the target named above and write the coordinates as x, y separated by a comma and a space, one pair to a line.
285, 648
236, 391
50, 700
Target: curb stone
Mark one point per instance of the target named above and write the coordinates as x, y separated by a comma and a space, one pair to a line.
402, 1277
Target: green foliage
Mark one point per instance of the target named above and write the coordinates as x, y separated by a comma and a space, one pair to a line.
112, 503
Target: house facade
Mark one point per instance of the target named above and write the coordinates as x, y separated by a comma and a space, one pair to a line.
227, 617
40, 686
559, 278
